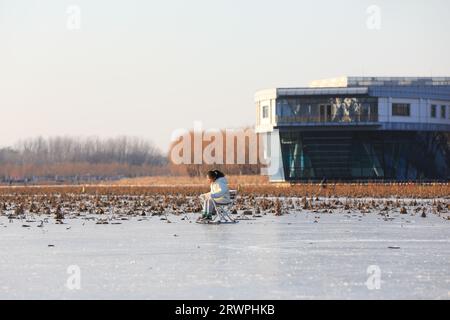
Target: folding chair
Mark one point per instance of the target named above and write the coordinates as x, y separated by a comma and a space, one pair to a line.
223, 210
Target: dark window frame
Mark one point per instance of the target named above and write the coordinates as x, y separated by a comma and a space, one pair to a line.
401, 109
433, 111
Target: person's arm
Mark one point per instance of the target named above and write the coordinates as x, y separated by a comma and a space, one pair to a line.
223, 189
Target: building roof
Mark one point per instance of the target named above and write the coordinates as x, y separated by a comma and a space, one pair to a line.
401, 87
346, 82
285, 92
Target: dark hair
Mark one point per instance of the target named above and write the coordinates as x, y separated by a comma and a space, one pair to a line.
215, 174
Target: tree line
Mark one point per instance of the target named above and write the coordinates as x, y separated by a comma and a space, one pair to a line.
235, 152
124, 150
76, 159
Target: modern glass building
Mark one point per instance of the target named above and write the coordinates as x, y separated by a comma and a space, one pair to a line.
358, 128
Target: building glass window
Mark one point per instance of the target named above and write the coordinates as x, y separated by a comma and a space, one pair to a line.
401, 109
443, 112
341, 109
350, 155
433, 111
265, 112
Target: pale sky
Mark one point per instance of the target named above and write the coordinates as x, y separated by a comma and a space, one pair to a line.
145, 68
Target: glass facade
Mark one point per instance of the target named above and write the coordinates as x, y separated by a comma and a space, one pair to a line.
365, 155
327, 109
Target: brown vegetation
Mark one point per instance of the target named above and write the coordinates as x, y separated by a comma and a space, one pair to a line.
189, 181
120, 202
391, 190
237, 153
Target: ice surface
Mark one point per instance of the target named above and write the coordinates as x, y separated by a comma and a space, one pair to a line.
288, 257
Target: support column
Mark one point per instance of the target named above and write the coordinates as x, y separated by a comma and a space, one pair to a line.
273, 155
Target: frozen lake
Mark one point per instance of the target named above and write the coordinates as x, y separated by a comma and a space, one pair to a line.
288, 257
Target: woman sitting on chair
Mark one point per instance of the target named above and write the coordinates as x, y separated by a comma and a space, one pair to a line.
219, 194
